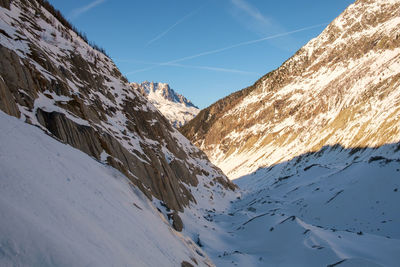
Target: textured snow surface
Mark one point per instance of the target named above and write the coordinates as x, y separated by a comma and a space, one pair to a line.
319, 209
60, 207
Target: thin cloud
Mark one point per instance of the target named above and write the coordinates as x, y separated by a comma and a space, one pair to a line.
251, 11
79, 11
229, 47
173, 26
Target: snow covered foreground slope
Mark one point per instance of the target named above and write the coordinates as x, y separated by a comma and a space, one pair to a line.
175, 107
60, 207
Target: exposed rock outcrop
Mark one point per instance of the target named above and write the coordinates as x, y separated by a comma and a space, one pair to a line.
5, 3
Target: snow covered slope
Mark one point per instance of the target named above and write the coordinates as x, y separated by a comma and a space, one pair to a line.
343, 87
60, 207
175, 107
335, 206
52, 78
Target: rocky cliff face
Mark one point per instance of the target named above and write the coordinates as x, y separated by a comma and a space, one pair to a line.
175, 107
50, 77
343, 88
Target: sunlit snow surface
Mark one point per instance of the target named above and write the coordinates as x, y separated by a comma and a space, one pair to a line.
60, 207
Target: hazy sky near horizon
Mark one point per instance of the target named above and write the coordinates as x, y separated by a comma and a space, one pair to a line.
204, 49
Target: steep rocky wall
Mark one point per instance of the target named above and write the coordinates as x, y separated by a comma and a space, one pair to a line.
52, 78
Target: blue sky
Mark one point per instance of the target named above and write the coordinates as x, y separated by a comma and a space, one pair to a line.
203, 49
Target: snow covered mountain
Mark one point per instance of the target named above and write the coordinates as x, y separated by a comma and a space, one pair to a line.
50, 77
342, 88
175, 107
75, 93
93, 174
316, 144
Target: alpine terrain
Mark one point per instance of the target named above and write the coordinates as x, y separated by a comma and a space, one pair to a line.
342, 88
316, 144
61, 207
93, 171
175, 107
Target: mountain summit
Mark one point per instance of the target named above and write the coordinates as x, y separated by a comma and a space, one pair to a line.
175, 107
163, 89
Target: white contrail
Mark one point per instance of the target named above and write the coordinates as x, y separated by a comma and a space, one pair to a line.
228, 47
79, 11
214, 69
190, 66
173, 26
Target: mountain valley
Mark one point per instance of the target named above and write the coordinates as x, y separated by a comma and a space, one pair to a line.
300, 169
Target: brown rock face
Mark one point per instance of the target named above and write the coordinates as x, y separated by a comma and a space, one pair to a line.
177, 222
53, 79
340, 88
186, 264
7, 103
5, 3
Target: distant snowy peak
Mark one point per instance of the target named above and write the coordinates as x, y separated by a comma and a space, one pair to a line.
175, 107
163, 89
